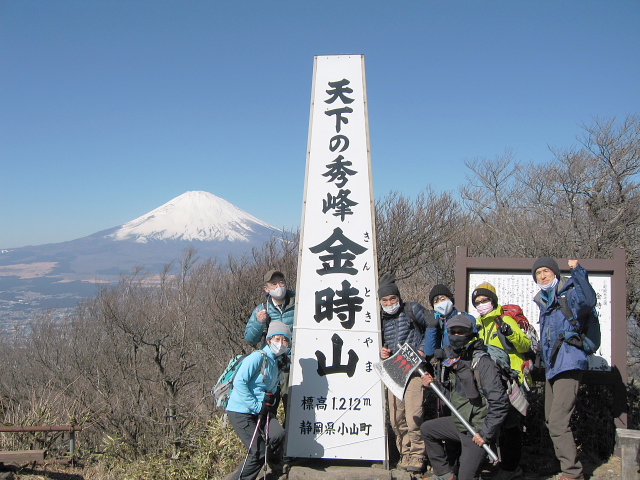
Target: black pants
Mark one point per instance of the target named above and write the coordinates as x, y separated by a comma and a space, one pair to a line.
245, 426
439, 429
511, 441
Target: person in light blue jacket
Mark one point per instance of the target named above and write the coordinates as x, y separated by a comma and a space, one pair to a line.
253, 403
279, 305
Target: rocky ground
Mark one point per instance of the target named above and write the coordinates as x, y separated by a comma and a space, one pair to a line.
540, 469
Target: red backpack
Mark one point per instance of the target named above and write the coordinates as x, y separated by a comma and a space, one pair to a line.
515, 312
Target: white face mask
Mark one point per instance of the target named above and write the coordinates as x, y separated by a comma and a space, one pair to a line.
444, 308
278, 293
391, 309
550, 285
484, 308
278, 348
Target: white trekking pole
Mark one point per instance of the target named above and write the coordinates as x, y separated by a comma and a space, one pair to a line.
253, 439
266, 443
396, 371
466, 424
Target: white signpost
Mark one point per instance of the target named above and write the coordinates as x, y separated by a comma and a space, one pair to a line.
336, 401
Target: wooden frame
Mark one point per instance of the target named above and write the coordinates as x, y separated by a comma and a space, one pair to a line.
615, 267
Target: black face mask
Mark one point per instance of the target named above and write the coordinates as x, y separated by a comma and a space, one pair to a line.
458, 342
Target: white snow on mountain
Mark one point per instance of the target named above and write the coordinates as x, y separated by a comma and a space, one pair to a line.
192, 216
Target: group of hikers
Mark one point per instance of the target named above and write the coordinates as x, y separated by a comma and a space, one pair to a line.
455, 346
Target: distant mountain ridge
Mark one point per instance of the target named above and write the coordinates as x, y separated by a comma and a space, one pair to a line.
210, 224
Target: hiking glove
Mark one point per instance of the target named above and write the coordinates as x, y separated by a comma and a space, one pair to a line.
506, 329
267, 403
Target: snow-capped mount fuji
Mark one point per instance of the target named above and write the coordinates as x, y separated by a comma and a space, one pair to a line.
58, 275
193, 216
210, 224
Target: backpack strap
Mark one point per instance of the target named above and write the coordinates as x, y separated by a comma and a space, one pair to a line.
575, 338
408, 308
566, 311
475, 359
506, 343
265, 328
263, 366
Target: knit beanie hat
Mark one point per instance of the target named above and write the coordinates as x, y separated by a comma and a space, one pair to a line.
440, 289
387, 286
487, 290
279, 328
548, 262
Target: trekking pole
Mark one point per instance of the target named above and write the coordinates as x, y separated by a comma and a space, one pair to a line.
266, 443
466, 424
253, 439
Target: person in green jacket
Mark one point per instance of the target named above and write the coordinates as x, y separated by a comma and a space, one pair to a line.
502, 331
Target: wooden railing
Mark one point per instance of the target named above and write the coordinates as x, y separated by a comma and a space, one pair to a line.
28, 456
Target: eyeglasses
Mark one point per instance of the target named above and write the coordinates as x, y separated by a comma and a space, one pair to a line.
282, 283
482, 302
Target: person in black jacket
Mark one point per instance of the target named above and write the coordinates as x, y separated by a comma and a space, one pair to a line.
398, 328
477, 393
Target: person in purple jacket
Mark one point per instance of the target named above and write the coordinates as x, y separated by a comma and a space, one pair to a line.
564, 362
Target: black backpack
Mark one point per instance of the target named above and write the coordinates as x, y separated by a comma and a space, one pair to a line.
408, 308
587, 335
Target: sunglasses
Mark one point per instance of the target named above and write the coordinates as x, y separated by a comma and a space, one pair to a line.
459, 331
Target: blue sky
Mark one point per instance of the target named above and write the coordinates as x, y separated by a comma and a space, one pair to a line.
109, 109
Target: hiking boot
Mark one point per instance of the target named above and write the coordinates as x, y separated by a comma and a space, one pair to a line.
416, 464
507, 475
444, 476
403, 463
279, 468
548, 469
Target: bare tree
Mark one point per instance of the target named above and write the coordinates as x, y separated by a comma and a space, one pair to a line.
139, 359
413, 234
583, 204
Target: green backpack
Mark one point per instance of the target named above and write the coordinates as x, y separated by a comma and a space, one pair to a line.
224, 386
508, 376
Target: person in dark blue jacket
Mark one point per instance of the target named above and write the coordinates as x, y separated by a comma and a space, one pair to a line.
436, 335
564, 363
399, 328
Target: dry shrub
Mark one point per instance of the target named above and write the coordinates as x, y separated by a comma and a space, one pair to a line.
592, 423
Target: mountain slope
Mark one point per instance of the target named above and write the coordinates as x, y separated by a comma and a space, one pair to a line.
202, 220
58, 275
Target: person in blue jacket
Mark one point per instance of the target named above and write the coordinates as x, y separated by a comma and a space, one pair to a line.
564, 363
436, 335
252, 404
279, 305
